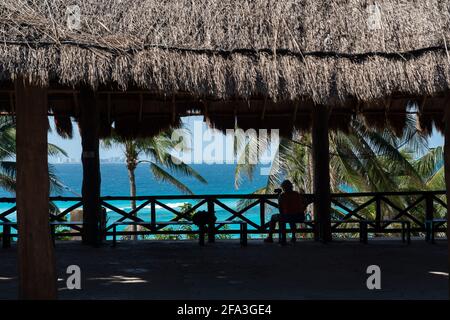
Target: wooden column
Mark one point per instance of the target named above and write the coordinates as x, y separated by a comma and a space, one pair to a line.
321, 170
36, 261
447, 170
89, 131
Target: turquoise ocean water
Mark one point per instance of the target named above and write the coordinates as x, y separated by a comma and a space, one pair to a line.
220, 178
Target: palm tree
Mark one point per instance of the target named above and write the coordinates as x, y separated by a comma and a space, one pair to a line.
431, 168
361, 160
8, 163
157, 153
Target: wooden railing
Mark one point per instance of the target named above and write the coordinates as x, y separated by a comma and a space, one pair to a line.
413, 206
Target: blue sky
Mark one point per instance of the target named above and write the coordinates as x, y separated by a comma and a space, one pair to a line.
436, 140
73, 146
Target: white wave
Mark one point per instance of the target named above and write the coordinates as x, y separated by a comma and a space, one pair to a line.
128, 208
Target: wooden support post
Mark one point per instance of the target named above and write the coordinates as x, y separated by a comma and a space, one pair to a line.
89, 130
447, 169
36, 260
321, 170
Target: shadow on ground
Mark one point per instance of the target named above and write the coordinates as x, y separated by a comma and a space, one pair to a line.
224, 270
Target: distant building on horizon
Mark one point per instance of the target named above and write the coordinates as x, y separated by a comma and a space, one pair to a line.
65, 160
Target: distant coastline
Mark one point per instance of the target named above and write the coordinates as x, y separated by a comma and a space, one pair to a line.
62, 160
115, 180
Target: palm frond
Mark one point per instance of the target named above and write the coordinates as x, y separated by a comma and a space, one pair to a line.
431, 162
54, 150
162, 175
7, 183
177, 165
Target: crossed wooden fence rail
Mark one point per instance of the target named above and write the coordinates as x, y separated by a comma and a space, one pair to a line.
417, 207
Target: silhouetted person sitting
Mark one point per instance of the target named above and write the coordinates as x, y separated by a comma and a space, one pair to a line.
292, 205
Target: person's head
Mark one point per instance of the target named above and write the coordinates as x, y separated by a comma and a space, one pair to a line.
286, 185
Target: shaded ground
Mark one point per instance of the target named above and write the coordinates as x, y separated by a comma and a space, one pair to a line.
224, 270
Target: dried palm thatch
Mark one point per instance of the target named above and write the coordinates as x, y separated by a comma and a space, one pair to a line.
131, 127
265, 114
337, 52
221, 122
63, 126
429, 120
340, 121
105, 129
387, 113
431, 113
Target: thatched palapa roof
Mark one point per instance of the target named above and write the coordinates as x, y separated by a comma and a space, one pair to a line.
260, 62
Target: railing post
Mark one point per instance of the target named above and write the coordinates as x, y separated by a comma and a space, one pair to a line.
429, 208
316, 230
363, 236
53, 233
211, 226
114, 234
153, 213
201, 235
103, 222
377, 213
262, 214
6, 236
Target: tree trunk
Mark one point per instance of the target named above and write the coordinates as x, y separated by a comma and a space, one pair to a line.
132, 179
89, 131
321, 164
36, 260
